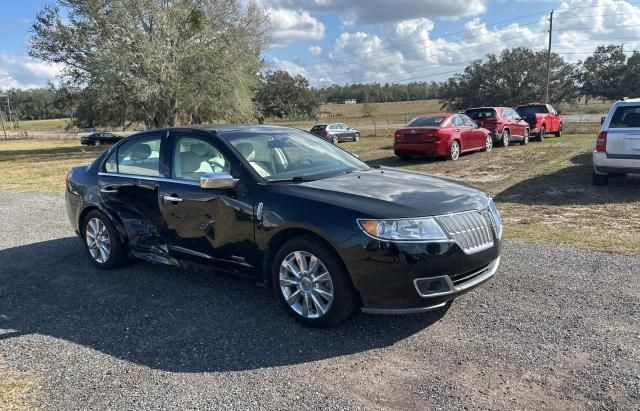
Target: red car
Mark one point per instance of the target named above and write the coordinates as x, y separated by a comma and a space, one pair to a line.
441, 135
543, 119
504, 123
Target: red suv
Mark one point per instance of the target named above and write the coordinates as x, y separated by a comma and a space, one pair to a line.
441, 135
504, 123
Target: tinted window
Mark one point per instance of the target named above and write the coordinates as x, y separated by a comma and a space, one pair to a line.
531, 111
140, 157
626, 117
288, 153
457, 121
481, 113
318, 128
194, 157
426, 121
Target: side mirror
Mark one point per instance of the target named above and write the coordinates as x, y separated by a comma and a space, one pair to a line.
602, 119
558, 112
218, 181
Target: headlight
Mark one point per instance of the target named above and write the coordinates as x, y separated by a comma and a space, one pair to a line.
497, 219
405, 229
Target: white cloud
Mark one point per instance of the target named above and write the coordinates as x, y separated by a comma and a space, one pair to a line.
315, 51
386, 11
408, 49
288, 26
25, 72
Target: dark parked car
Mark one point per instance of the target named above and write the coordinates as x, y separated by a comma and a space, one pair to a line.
441, 135
97, 139
327, 232
336, 132
504, 123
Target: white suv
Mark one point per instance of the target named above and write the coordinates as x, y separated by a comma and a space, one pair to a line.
617, 150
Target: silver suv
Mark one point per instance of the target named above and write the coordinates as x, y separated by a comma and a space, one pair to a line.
617, 150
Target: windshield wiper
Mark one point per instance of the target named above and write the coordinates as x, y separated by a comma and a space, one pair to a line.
292, 179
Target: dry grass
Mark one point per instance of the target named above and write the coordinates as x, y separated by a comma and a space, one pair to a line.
544, 190
56, 124
40, 165
15, 390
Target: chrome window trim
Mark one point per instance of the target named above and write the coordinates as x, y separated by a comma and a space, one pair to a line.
149, 178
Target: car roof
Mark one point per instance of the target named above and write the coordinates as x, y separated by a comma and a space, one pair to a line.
438, 115
628, 100
486, 108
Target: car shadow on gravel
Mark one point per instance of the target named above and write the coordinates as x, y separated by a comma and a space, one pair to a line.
166, 318
572, 186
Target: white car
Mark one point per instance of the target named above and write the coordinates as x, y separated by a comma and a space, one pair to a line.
617, 150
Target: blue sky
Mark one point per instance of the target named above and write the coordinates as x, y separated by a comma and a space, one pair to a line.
345, 41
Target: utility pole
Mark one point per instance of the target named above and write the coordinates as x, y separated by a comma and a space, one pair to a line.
2, 121
546, 94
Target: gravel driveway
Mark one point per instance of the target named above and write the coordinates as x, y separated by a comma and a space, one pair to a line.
557, 328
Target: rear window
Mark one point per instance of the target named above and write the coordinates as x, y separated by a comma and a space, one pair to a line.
626, 117
481, 113
530, 111
426, 121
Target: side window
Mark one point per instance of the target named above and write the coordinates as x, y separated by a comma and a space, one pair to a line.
468, 122
193, 157
551, 109
111, 165
140, 157
457, 121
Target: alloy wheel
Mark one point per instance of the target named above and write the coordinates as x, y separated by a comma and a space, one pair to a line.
455, 150
306, 284
357, 137
98, 240
505, 138
488, 144
334, 140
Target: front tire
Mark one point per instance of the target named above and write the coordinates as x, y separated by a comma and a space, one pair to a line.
102, 241
454, 151
356, 137
488, 143
525, 139
559, 132
335, 140
600, 179
312, 284
542, 135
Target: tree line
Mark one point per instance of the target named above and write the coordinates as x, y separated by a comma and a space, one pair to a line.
167, 62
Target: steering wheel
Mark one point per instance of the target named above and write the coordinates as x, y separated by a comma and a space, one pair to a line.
304, 160
215, 166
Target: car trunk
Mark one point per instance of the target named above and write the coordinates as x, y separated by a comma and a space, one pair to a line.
417, 134
623, 141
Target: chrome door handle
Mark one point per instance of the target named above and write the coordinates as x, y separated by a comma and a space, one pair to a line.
108, 190
171, 199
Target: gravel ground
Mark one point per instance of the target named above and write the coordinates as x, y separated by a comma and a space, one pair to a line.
558, 328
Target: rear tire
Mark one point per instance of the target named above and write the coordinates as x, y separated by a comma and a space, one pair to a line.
454, 151
542, 134
335, 140
356, 137
102, 242
504, 140
525, 138
600, 179
330, 277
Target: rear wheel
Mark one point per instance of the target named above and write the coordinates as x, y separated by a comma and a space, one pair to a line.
356, 137
312, 284
504, 140
559, 132
102, 242
454, 150
525, 138
542, 135
600, 179
488, 143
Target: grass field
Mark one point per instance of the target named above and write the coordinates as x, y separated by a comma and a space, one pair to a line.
543, 190
57, 124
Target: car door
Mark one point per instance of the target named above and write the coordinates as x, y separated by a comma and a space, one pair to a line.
128, 184
466, 139
555, 119
517, 129
209, 226
476, 134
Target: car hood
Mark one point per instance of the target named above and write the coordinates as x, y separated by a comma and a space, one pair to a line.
392, 193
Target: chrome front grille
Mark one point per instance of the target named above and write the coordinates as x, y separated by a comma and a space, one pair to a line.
471, 230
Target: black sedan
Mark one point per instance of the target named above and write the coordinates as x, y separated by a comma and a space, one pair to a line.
327, 232
97, 139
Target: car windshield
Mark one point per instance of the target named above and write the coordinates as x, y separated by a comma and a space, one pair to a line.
481, 113
289, 154
426, 121
530, 111
626, 117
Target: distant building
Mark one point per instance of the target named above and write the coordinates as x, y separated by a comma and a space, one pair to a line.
351, 101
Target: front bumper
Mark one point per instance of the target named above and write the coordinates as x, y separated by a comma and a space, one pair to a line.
604, 164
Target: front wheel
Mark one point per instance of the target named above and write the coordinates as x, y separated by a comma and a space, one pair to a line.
312, 284
335, 140
559, 132
488, 143
454, 151
504, 141
525, 138
102, 242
